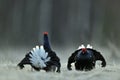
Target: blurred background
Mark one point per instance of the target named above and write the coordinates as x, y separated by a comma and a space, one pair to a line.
70, 23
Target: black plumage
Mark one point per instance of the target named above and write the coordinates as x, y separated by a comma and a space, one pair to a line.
85, 61
42, 58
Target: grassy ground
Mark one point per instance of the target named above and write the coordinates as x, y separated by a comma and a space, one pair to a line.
8, 70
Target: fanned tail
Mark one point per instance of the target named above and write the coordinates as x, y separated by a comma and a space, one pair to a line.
39, 57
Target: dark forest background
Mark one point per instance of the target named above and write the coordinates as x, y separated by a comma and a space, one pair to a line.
69, 22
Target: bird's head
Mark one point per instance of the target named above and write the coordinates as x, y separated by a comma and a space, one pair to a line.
46, 42
84, 50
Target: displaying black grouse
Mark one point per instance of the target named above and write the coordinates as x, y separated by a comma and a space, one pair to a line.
42, 58
85, 58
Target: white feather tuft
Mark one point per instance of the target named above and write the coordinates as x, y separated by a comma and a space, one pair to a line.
89, 46
39, 57
82, 46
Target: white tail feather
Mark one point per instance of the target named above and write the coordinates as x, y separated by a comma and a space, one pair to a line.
39, 57
82, 46
89, 46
